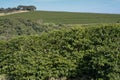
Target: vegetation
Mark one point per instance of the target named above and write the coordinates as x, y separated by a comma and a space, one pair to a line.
45, 45
66, 17
18, 8
17, 27
76, 53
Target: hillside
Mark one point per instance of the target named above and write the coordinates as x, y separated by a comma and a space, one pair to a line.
46, 45
17, 27
66, 17
78, 53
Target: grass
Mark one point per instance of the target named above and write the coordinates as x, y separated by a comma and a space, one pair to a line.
66, 17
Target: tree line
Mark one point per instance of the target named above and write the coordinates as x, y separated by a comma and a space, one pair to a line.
20, 7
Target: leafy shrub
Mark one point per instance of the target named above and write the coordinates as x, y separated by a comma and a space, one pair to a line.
91, 53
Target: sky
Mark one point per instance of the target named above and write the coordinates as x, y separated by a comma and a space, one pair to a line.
92, 6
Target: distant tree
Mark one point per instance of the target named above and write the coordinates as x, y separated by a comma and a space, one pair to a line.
30, 8
14, 9
20, 7
2, 9
8, 9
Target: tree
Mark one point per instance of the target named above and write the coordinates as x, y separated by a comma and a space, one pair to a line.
30, 8
2, 9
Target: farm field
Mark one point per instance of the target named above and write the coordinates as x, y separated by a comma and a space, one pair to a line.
66, 17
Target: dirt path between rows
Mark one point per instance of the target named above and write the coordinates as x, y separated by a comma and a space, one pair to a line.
15, 12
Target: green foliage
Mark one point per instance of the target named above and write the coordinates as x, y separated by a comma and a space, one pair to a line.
80, 53
16, 27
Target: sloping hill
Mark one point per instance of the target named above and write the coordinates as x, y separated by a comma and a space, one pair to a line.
16, 27
67, 17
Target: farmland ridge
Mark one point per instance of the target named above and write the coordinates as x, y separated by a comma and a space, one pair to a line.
66, 17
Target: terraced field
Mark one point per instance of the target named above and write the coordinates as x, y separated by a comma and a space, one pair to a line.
66, 17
